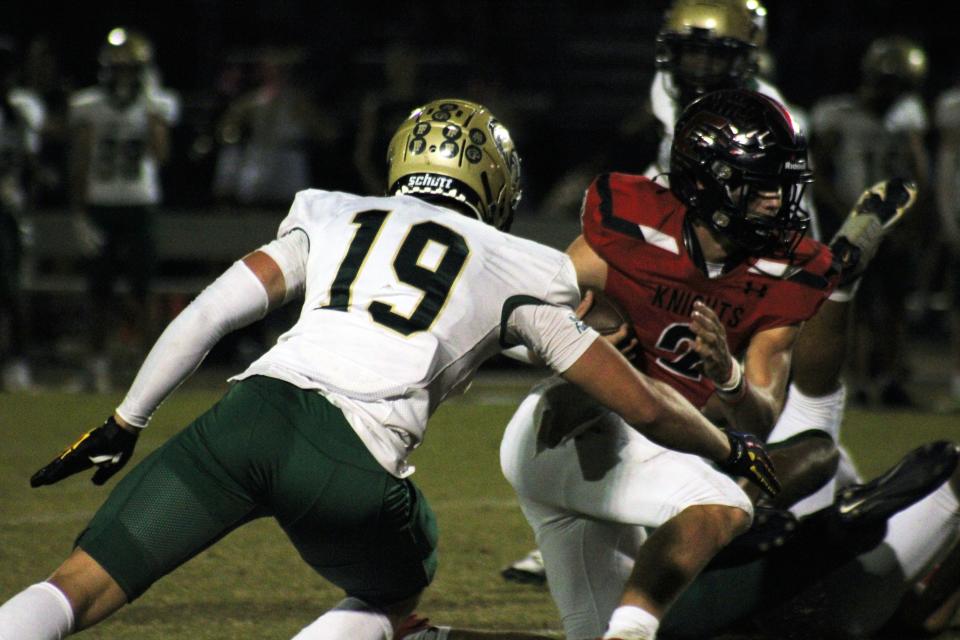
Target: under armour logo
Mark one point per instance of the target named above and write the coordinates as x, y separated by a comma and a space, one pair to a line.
761, 291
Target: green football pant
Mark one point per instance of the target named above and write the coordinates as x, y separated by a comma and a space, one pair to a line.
269, 448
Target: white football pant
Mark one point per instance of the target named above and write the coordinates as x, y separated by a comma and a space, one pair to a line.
590, 497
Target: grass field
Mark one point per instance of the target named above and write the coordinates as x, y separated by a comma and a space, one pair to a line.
253, 584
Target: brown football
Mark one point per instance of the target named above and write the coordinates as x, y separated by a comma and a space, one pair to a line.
605, 316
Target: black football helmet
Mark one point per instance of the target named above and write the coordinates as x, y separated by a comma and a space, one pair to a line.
728, 147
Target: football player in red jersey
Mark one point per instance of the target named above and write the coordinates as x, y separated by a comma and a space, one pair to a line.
714, 269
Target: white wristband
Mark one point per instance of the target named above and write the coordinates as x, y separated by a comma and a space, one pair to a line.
734, 381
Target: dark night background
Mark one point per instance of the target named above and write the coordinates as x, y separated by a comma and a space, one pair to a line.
562, 74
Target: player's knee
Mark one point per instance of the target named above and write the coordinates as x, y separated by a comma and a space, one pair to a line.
92, 592
737, 521
721, 522
805, 462
401, 608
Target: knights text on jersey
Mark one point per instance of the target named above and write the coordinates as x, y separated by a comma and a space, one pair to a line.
636, 226
403, 302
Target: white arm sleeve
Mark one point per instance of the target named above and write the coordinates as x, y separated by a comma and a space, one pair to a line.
553, 333
235, 299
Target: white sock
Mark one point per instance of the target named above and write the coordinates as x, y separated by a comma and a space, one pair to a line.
923, 532
802, 412
430, 633
864, 593
847, 473
632, 623
39, 612
845, 293
352, 618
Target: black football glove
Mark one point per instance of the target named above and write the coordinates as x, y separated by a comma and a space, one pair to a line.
109, 446
748, 459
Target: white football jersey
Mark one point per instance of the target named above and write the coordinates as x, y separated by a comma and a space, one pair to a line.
122, 172
403, 301
947, 118
870, 148
19, 139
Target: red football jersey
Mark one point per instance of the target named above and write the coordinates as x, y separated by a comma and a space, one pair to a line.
637, 227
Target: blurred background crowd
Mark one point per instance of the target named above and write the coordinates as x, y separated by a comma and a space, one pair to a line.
218, 111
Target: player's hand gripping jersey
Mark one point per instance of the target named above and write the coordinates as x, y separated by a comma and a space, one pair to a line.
639, 229
412, 300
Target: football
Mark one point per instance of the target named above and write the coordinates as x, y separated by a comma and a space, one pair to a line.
605, 316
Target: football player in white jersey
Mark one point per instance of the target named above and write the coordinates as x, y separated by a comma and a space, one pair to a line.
947, 121
404, 296
119, 138
876, 131
22, 116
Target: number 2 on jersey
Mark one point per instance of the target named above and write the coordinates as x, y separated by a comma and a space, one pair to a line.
678, 338
434, 283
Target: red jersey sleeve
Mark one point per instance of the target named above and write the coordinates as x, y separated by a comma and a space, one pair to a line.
801, 288
620, 209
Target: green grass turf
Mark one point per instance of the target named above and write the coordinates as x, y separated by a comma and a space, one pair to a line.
253, 584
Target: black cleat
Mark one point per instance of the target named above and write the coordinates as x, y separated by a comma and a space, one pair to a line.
887, 200
878, 208
771, 529
916, 475
527, 570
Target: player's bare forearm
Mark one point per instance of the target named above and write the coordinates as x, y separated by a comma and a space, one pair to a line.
756, 412
653, 408
757, 405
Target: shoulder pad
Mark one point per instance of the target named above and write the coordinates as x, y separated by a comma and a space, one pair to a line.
626, 204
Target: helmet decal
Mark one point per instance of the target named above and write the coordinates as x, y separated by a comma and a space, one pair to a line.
731, 146
456, 150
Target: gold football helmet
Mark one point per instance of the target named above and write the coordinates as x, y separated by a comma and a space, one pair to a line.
895, 57
124, 58
707, 45
125, 47
456, 151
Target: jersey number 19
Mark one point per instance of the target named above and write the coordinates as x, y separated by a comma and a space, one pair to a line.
434, 283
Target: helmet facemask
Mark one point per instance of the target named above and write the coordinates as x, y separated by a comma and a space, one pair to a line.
707, 45
761, 233
698, 64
